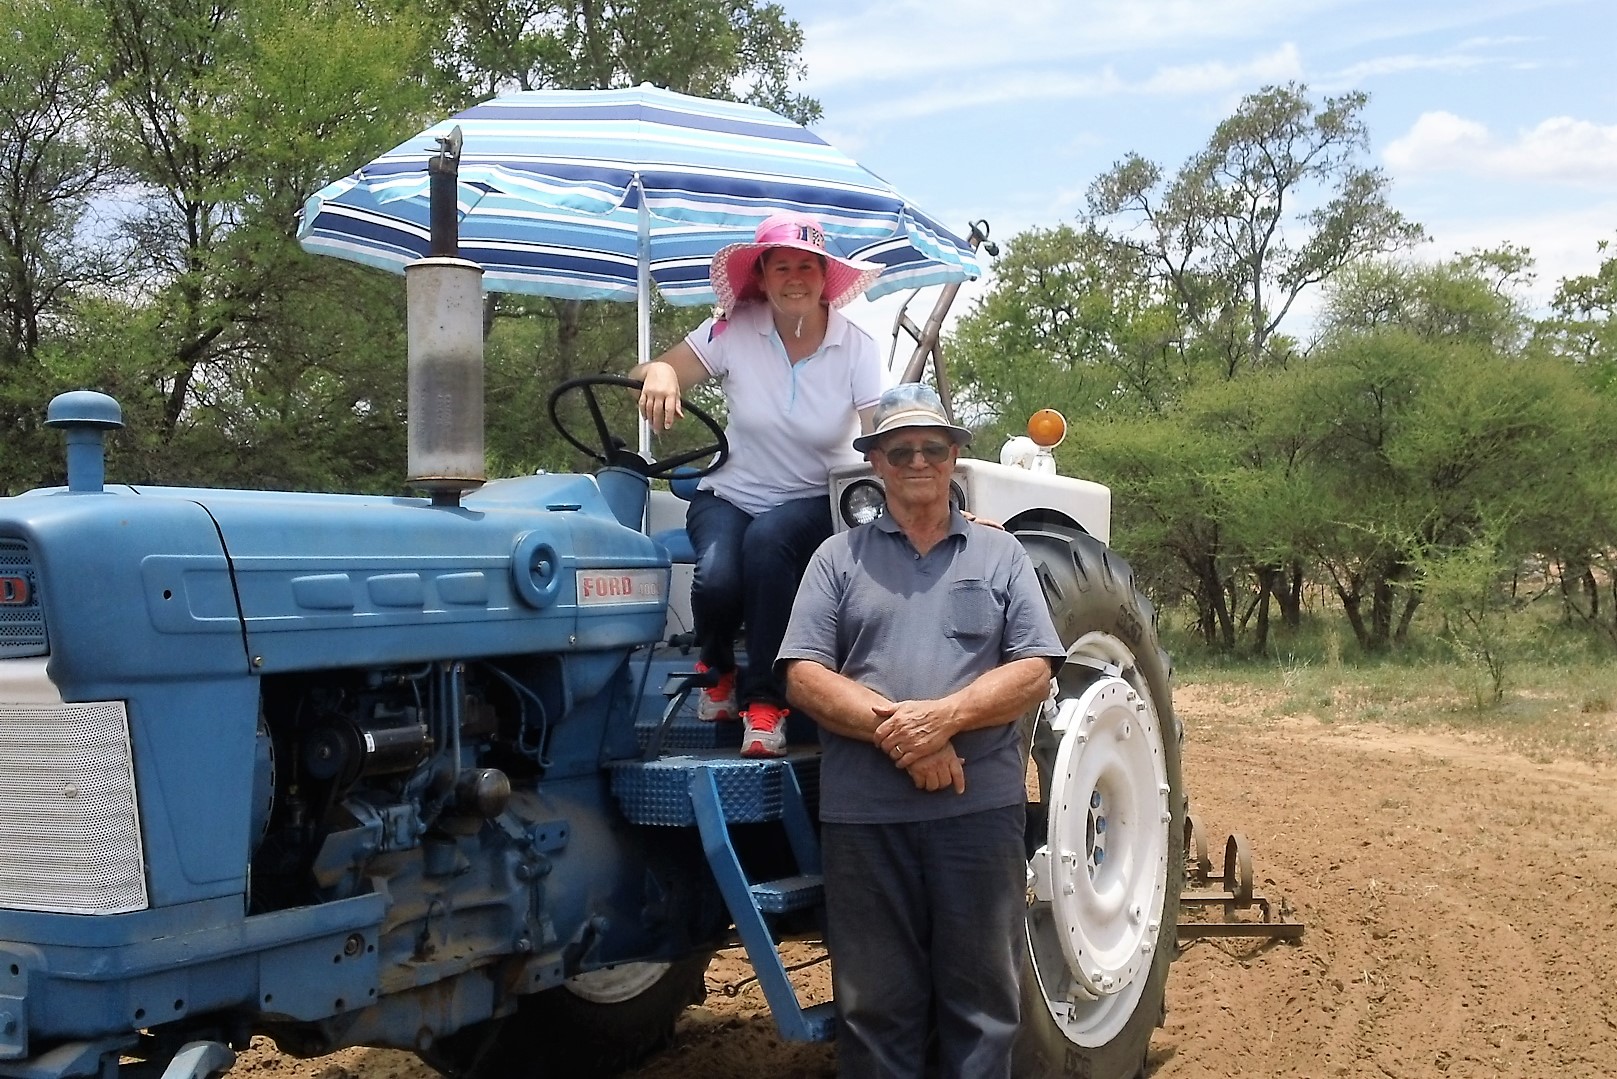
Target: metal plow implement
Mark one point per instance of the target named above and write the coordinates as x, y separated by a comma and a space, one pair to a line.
1231, 890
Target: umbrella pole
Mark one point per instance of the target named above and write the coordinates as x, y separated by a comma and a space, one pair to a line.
643, 301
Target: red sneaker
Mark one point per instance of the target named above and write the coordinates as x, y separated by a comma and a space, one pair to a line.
765, 735
717, 701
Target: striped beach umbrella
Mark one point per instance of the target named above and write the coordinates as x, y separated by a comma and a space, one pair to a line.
578, 193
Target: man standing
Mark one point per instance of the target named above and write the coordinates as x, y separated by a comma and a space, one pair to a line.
916, 642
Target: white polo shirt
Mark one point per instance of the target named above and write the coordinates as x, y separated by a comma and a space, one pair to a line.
790, 424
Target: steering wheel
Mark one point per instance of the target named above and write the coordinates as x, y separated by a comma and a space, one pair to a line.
611, 450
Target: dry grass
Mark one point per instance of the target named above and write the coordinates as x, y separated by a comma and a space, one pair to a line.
1560, 699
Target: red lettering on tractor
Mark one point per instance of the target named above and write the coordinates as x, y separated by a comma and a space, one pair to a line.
597, 587
14, 591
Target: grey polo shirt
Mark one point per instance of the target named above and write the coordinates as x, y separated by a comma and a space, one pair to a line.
918, 627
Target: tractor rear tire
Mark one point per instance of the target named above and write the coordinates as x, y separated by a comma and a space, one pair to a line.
591, 1027
1104, 831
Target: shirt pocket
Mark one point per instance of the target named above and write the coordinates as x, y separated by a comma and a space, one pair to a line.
973, 614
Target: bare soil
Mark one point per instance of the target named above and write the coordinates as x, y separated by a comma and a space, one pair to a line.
1460, 902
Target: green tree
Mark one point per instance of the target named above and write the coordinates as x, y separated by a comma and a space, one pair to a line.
227, 117
1582, 326
746, 50
1277, 202
1073, 322
1434, 442
54, 170
1473, 587
53, 165
1165, 513
1264, 491
1473, 297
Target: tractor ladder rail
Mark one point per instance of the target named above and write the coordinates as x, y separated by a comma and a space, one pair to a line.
683, 779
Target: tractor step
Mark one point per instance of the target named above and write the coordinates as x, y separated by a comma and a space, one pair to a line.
659, 791
754, 905
789, 893
820, 1021
687, 733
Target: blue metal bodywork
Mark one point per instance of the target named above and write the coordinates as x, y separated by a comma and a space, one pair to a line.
240, 628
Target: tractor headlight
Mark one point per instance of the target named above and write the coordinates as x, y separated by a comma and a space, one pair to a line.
862, 502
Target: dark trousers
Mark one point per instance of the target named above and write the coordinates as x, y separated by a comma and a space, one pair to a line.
924, 923
747, 571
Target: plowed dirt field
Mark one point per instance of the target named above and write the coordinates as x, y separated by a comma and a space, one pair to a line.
1460, 900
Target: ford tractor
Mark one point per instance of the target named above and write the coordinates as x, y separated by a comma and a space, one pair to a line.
424, 772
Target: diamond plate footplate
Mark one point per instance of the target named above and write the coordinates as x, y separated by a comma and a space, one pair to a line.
688, 733
658, 792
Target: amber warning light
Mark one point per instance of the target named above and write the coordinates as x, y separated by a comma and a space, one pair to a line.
1047, 427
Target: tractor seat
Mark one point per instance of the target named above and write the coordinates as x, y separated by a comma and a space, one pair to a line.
675, 540
678, 544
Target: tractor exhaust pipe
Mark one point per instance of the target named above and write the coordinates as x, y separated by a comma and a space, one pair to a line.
445, 325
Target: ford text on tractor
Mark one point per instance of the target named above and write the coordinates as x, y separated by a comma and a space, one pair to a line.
422, 772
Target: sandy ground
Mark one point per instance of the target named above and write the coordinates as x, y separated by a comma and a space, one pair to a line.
1460, 903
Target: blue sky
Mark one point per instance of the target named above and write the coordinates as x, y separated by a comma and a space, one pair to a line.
1496, 120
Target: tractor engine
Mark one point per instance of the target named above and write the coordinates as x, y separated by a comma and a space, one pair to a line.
348, 758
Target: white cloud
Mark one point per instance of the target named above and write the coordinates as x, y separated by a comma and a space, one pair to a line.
1404, 64
1495, 42
906, 39
894, 40
1401, 20
984, 91
1218, 77
1562, 242
1559, 150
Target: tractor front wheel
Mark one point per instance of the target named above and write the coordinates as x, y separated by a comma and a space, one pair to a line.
597, 1024
1104, 869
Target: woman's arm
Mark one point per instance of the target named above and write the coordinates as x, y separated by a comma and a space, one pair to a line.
665, 378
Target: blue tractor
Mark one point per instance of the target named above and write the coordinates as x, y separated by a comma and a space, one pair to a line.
421, 772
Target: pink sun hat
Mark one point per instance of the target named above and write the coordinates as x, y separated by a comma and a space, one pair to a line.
731, 270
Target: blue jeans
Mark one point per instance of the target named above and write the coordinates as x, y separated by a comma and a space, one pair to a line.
924, 922
747, 571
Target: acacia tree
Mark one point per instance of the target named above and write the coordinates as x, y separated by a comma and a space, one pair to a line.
1073, 321
1165, 513
1264, 491
1277, 202
746, 50
1442, 432
54, 167
1582, 327
227, 115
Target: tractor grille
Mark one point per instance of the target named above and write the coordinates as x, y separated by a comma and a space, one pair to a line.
22, 617
69, 826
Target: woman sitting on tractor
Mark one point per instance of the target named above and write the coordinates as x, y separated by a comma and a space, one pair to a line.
801, 382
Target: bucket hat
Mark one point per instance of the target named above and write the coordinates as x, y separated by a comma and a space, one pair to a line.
731, 270
910, 404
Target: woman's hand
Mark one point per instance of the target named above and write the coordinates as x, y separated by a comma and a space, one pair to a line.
659, 396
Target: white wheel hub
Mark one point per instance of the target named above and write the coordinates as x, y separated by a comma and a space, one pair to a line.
1099, 883
614, 985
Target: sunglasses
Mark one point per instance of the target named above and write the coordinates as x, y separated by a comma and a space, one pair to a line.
899, 456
